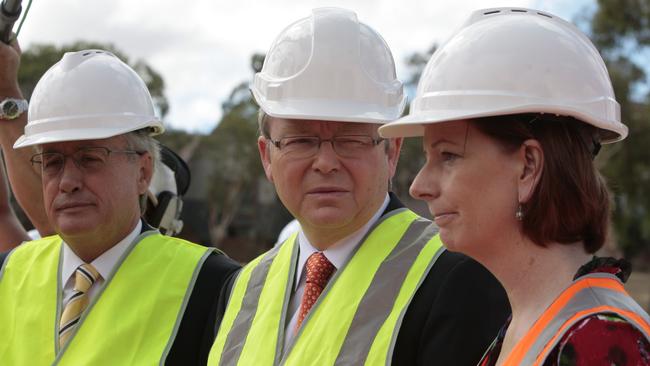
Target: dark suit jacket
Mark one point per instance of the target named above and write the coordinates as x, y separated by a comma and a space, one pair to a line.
453, 317
455, 314
196, 331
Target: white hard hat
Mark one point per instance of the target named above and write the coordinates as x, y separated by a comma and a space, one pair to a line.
330, 66
509, 61
88, 95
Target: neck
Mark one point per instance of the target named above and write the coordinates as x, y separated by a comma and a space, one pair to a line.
534, 277
89, 246
325, 239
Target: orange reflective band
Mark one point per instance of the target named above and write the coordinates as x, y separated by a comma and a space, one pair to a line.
517, 355
601, 309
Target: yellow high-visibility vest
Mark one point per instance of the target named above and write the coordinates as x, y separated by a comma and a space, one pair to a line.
355, 320
132, 321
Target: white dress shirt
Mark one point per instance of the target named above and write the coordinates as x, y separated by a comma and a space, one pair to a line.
338, 254
104, 264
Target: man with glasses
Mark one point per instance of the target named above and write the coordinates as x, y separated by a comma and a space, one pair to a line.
107, 288
364, 280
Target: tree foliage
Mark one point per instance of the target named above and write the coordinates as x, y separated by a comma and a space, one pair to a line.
242, 202
411, 157
621, 31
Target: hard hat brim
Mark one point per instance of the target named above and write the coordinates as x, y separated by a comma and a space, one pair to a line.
65, 129
413, 125
335, 110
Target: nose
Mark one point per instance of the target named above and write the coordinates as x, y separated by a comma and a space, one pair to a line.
424, 186
71, 177
326, 160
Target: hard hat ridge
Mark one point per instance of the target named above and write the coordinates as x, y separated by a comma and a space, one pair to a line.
506, 61
332, 67
88, 94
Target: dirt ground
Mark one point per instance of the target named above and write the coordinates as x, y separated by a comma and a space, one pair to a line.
638, 285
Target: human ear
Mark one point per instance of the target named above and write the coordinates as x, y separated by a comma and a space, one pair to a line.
145, 173
265, 155
394, 147
531, 156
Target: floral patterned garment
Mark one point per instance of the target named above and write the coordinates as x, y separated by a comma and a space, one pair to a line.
598, 340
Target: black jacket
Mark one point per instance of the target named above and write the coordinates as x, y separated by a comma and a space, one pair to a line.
453, 317
455, 314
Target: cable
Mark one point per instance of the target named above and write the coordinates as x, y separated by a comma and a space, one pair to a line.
20, 25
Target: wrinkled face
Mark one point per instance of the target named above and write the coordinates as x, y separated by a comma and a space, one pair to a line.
470, 185
328, 191
91, 198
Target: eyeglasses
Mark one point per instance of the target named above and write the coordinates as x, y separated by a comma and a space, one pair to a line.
87, 159
345, 146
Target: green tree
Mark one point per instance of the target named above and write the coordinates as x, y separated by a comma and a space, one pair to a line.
621, 31
411, 157
242, 203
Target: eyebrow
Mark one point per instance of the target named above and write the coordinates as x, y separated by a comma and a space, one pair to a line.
435, 144
77, 149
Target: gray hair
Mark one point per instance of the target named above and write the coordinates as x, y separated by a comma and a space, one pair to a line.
142, 141
263, 123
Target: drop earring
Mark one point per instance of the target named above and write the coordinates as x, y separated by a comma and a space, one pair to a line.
519, 214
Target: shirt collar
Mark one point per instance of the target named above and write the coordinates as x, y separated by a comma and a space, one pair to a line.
104, 264
339, 253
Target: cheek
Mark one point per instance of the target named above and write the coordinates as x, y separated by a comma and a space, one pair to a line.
50, 190
490, 201
369, 174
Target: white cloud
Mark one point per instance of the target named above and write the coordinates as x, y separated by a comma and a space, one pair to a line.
203, 47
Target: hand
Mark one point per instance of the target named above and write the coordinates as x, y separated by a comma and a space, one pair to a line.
9, 63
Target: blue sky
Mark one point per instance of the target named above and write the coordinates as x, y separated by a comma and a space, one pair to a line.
202, 48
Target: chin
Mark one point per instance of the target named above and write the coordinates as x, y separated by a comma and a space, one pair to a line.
76, 227
450, 241
327, 219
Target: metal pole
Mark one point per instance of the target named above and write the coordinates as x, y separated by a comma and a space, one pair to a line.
9, 12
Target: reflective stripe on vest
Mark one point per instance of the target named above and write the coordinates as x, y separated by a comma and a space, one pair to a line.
591, 294
367, 298
132, 320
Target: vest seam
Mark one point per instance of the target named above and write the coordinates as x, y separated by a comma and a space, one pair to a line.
59, 299
91, 305
544, 355
597, 301
411, 221
181, 310
398, 323
420, 242
42, 244
339, 271
268, 257
279, 351
235, 278
4, 264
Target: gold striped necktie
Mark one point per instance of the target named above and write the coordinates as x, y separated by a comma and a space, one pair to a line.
85, 277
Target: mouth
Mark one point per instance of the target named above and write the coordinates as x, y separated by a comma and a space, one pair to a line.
72, 206
326, 190
443, 218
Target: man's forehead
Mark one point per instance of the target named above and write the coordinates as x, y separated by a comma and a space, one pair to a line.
317, 126
110, 142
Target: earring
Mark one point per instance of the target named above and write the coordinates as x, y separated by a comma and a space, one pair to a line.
519, 214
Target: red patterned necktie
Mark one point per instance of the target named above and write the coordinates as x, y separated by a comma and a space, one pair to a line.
319, 271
